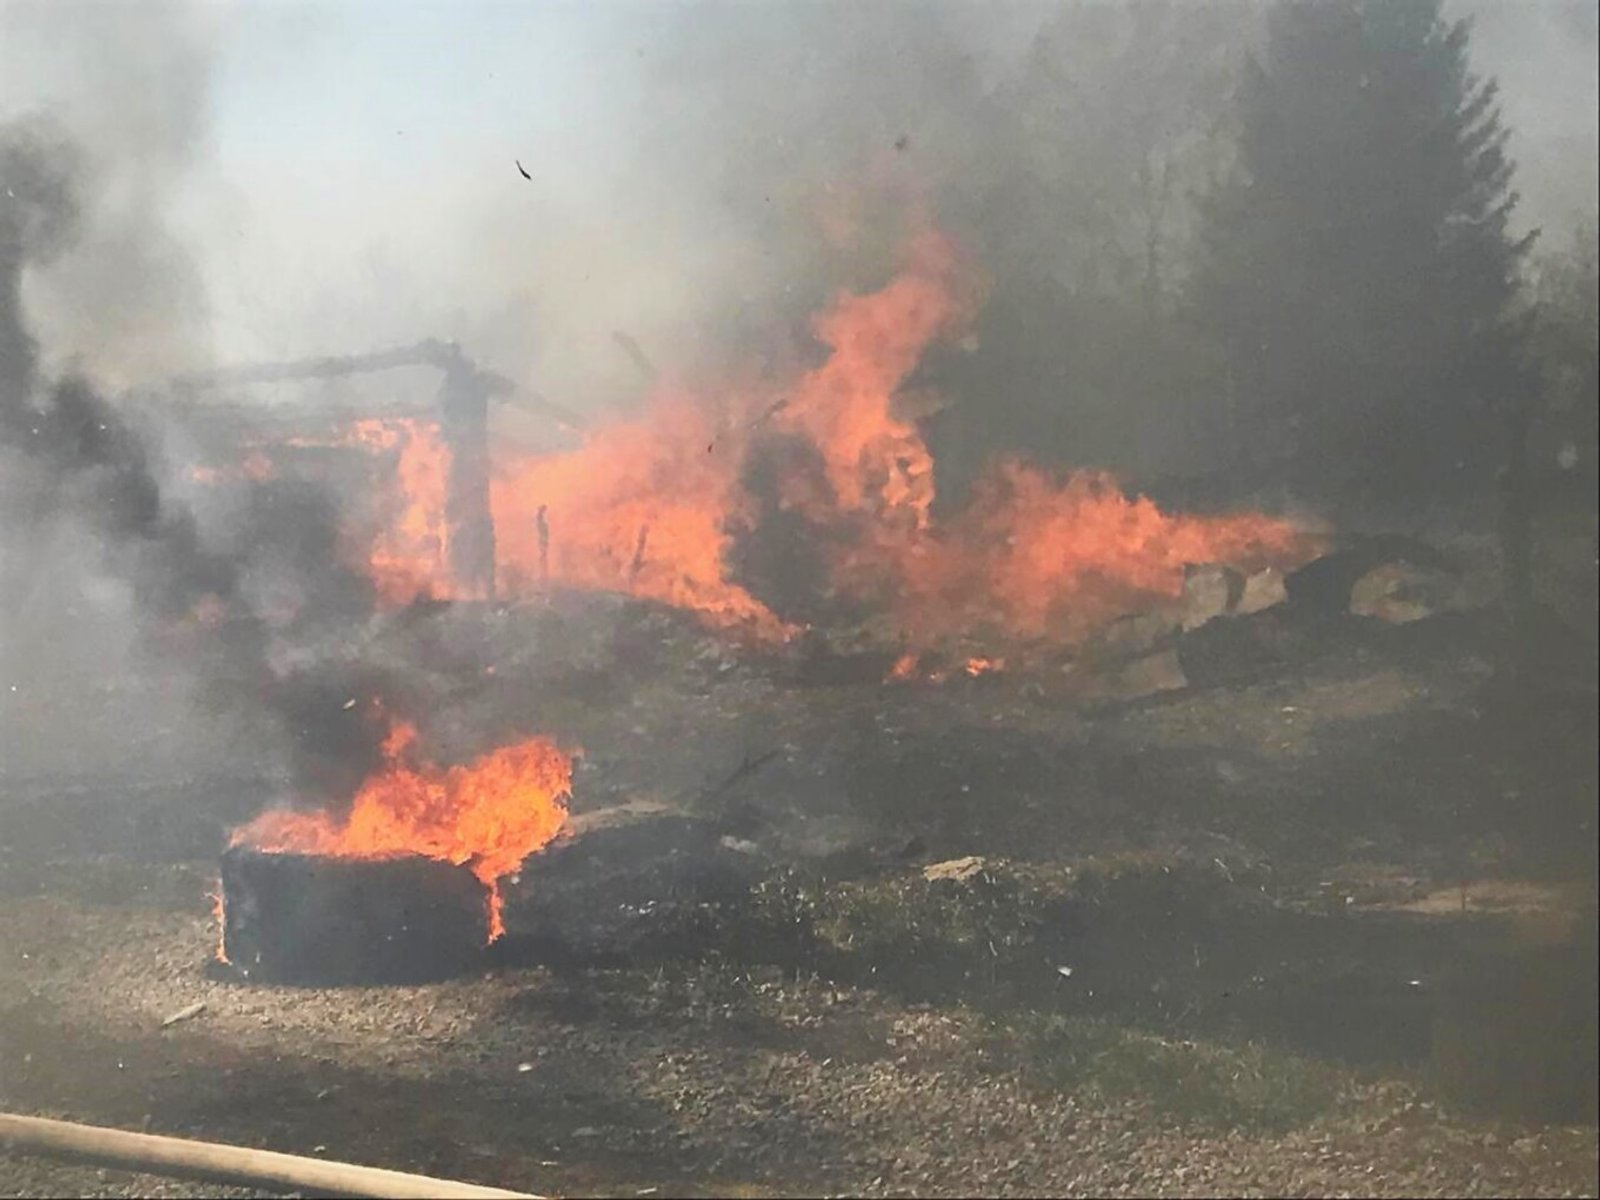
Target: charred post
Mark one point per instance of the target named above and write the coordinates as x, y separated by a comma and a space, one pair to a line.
464, 424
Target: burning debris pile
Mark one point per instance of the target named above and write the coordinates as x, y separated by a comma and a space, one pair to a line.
665, 505
654, 507
279, 630
489, 815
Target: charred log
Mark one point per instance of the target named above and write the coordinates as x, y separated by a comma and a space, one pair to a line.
464, 408
317, 919
620, 883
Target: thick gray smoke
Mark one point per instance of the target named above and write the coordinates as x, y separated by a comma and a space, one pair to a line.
70, 455
130, 85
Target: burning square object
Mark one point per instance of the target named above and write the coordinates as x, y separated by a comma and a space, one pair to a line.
315, 919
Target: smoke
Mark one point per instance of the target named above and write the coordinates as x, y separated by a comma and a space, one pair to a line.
129, 84
1546, 57
282, 181
72, 456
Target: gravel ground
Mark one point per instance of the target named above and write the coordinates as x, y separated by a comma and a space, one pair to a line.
21, 1175
694, 1080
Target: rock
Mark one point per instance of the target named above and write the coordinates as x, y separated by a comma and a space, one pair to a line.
954, 868
1325, 585
1210, 590
1158, 672
1137, 633
184, 1013
1261, 591
1398, 592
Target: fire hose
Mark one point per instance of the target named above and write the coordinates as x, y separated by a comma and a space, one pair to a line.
226, 1164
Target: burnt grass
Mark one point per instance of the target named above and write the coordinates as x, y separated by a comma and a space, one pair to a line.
1348, 882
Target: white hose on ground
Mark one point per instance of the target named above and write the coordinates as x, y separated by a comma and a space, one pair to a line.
158, 1155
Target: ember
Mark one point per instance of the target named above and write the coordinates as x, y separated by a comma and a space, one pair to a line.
487, 816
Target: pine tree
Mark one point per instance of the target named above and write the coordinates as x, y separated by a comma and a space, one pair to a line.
1358, 272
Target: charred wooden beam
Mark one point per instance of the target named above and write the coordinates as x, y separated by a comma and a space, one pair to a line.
425, 353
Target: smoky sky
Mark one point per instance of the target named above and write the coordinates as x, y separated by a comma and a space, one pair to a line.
273, 181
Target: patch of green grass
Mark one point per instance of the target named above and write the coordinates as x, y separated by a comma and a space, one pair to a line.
1210, 1084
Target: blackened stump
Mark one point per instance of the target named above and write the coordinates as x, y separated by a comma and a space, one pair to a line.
317, 919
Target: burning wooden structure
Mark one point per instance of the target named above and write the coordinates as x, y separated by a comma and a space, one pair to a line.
459, 419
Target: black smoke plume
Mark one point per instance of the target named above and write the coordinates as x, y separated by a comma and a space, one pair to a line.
73, 454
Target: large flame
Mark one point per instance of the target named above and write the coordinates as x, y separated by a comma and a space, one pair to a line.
409, 556
876, 463
489, 815
645, 506
650, 505
1033, 558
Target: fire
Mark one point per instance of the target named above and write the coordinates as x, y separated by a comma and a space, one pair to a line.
646, 506
411, 556
256, 466
1032, 558
489, 815
219, 914
373, 434
904, 668
651, 505
874, 462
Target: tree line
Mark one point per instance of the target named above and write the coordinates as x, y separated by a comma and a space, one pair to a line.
1289, 262
1248, 248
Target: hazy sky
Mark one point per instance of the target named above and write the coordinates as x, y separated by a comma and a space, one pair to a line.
341, 174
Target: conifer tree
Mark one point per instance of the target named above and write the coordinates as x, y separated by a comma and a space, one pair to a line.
1358, 273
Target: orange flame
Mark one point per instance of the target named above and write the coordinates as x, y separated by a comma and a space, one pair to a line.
489, 815
255, 466
411, 556
1031, 558
874, 461
646, 506
904, 668
649, 505
219, 913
